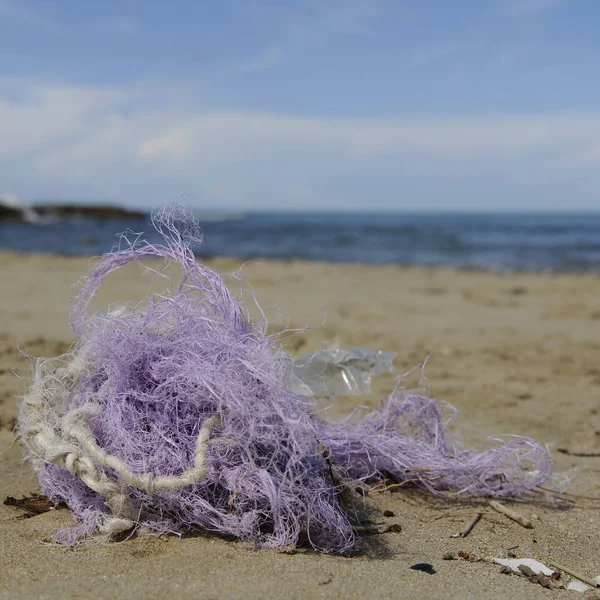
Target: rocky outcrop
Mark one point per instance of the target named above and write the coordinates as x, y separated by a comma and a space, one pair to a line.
76, 211
57, 212
10, 213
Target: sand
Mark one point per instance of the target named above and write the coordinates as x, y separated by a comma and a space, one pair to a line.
517, 354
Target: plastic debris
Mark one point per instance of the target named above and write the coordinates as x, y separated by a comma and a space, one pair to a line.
330, 373
578, 586
535, 565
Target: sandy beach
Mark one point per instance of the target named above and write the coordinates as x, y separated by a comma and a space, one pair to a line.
516, 354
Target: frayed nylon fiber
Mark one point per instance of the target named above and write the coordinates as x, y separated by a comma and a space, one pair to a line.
176, 413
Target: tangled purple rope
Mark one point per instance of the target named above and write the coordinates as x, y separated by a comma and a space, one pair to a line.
177, 413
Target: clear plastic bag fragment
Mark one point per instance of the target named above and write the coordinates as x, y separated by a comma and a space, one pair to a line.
329, 373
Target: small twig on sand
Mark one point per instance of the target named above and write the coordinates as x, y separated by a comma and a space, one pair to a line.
569, 494
511, 514
395, 527
582, 454
572, 573
467, 530
462, 512
382, 487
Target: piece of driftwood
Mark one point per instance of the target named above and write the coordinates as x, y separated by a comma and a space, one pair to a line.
511, 514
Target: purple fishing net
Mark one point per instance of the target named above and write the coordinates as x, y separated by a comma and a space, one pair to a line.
149, 378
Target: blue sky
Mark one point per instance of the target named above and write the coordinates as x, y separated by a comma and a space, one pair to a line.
312, 104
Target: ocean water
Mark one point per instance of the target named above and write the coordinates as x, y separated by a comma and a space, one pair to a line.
505, 242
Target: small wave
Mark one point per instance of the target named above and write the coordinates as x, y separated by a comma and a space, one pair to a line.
218, 216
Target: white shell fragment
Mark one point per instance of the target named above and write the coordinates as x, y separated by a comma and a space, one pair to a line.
578, 586
597, 581
535, 565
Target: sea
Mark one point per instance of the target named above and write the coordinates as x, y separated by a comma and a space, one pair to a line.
500, 242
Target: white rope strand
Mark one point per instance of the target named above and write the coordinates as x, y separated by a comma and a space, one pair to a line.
147, 482
68, 442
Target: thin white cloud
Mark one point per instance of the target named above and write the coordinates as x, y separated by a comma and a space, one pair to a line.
303, 26
88, 155
265, 59
341, 17
117, 26
175, 144
427, 55
23, 12
237, 133
80, 138
73, 120
522, 8
49, 113
46, 115
587, 156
